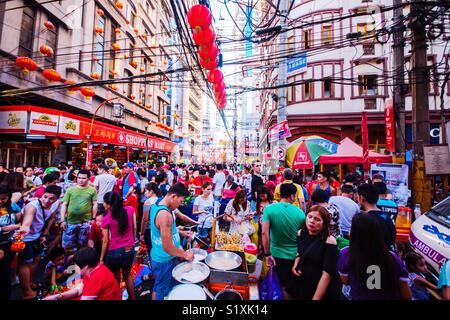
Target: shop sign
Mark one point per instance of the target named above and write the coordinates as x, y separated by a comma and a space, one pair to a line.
69, 126
389, 126
13, 121
437, 159
396, 179
279, 131
43, 123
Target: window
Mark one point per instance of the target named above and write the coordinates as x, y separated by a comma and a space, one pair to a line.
367, 85
128, 74
307, 39
131, 46
143, 88
51, 37
291, 44
100, 46
26, 32
113, 60
308, 90
328, 88
327, 35
291, 90
367, 31
132, 14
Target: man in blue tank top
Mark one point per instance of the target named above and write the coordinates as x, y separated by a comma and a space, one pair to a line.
166, 245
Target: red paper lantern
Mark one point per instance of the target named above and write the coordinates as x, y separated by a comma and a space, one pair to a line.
119, 4
215, 76
26, 64
51, 75
209, 65
204, 37
95, 75
49, 25
117, 31
87, 92
98, 30
218, 87
199, 17
208, 52
18, 246
115, 46
56, 142
71, 89
100, 12
46, 50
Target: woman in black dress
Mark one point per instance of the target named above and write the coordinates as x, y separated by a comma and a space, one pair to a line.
315, 267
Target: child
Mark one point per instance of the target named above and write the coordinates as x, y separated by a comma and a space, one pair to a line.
132, 200
95, 237
416, 266
403, 248
55, 270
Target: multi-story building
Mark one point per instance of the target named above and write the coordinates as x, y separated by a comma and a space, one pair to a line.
100, 40
343, 76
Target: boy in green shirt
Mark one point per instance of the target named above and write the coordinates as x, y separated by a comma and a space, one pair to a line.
80, 204
280, 224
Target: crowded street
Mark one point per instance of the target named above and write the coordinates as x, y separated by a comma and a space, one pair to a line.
224, 150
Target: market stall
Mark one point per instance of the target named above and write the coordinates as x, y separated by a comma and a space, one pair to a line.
230, 270
348, 152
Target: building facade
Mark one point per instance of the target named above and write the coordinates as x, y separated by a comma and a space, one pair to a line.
343, 75
91, 41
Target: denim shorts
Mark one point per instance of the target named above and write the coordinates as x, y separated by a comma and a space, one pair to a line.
32, 249
120, 259
76, 236
164, 282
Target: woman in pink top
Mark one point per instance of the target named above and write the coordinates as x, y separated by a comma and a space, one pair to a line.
119, 232
230, 188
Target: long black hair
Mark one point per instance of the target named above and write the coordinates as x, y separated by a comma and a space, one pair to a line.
118, 212
262, 190
14, 181
367, 248
5, 190
152, 186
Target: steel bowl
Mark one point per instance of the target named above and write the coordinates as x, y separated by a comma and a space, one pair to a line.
216, 260
200, 254
180, 271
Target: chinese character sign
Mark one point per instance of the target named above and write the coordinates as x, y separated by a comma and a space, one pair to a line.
390, 125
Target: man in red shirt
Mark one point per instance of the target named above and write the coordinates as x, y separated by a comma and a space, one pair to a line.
132, 200
98, 282
200, 180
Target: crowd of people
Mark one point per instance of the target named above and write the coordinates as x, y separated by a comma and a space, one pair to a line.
79, 228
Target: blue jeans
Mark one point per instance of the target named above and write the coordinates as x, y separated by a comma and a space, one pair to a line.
164, 282
120, 259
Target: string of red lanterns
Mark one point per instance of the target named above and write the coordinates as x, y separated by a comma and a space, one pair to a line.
199, 18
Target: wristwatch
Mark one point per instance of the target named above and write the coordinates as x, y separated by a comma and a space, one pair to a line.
267, 254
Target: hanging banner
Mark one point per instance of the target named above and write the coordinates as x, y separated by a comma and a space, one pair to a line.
396, 179
389, 121
279, 131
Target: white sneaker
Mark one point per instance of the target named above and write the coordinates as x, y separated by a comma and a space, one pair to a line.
16, 281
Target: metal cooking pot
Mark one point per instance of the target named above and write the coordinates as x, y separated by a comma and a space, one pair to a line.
228, 294
214, 260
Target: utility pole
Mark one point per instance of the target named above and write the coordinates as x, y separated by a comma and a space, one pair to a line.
399, 83
421, 192
282, 72
235, 130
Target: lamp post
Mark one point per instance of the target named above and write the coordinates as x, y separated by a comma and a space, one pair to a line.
146, 150
89, 136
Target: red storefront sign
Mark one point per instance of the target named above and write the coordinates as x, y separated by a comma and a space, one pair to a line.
66, 125
389, 120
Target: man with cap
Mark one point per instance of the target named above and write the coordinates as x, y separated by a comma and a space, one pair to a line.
170, 176
131, 179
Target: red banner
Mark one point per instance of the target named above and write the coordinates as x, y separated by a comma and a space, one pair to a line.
365, 142
89, 154
389, 120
